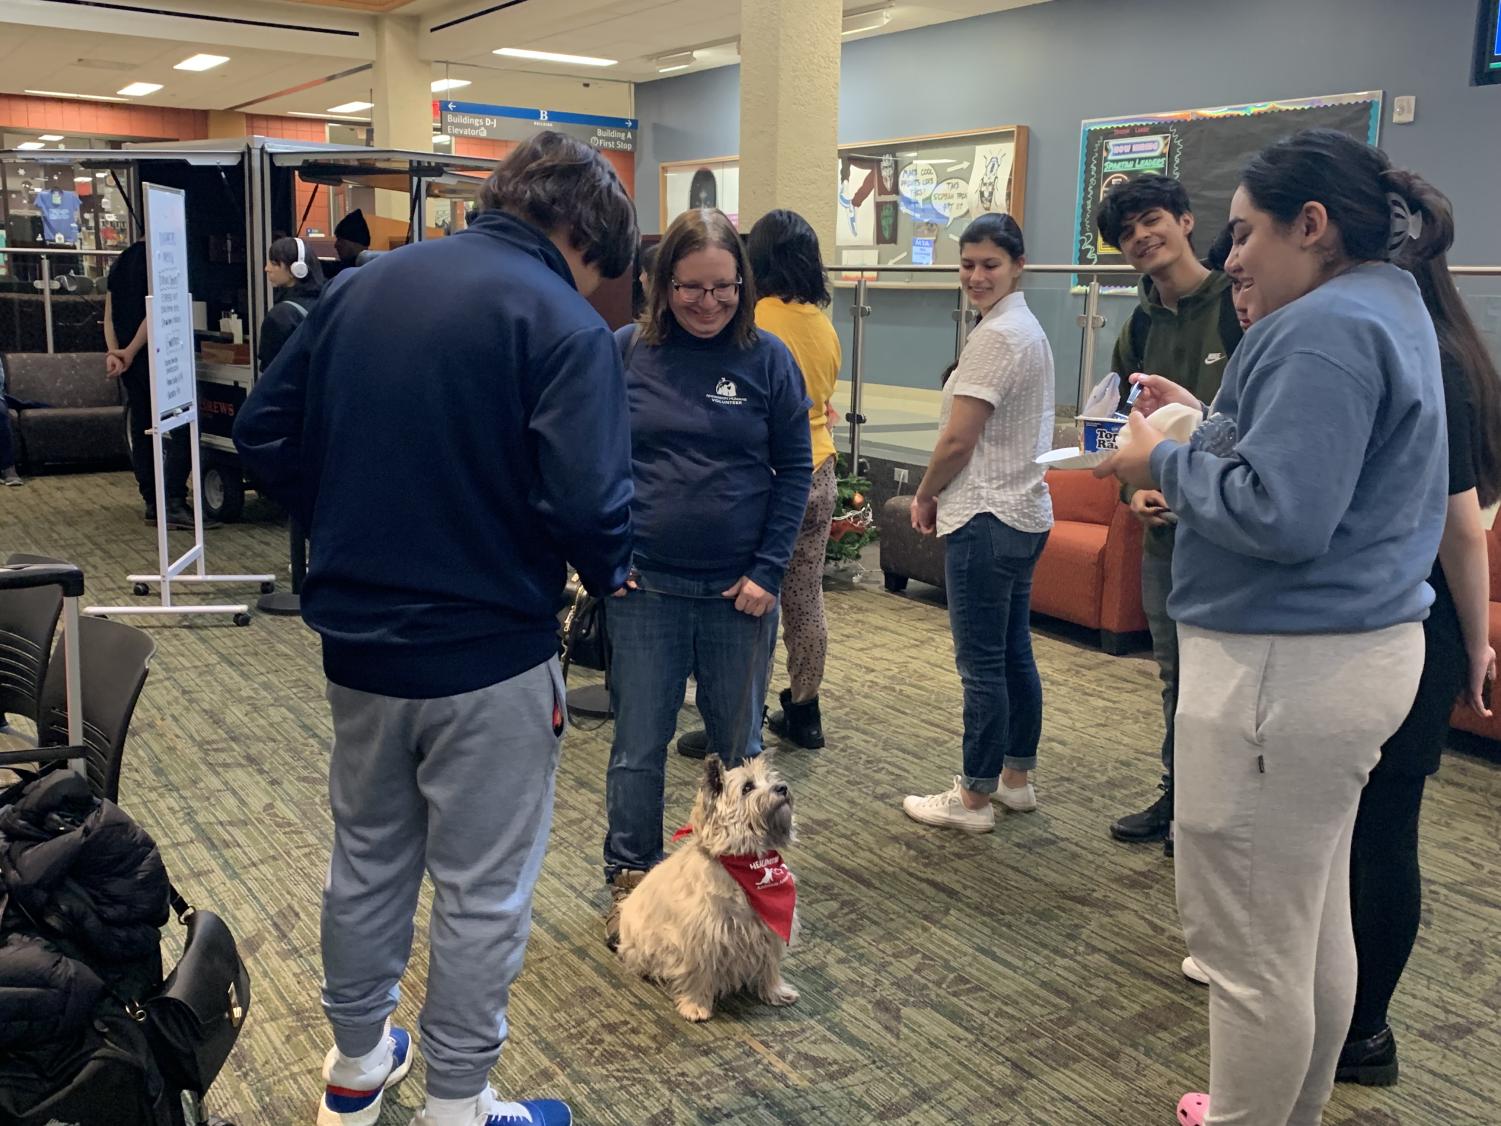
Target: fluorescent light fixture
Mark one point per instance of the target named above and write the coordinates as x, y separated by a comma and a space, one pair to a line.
553, 57
139, 89
101, 175
872, 20
327, 116
31, 145
680, 60
202, 62
351, 107
443, 84
441, 138
50, 137
84, 97
83, 179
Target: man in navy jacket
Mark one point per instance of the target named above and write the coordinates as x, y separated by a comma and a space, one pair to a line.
450, 425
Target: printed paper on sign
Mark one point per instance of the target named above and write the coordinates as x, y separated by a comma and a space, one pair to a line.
990, 178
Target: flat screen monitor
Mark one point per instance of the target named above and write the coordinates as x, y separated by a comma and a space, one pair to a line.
1488, 43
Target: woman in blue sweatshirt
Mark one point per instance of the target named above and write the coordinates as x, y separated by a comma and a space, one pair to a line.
722, 462
1311, 503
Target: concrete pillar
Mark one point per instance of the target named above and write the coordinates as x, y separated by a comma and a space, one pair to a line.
789, 110
403, 114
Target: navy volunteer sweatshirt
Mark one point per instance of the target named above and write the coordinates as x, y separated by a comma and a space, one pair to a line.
722, 455
451, 426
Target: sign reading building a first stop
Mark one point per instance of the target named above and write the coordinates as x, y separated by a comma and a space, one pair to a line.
517, 123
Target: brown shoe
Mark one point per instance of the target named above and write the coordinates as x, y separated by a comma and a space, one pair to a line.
621, 886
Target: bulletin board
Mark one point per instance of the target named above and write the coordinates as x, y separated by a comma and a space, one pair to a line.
898, 202
1206, 149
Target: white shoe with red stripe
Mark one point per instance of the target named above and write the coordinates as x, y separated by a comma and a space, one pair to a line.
352, 1096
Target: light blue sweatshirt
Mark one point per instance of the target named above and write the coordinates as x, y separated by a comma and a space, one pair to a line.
1313, 498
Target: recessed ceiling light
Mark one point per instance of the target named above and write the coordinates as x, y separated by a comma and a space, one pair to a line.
83, 179
50, 137
870, 20
351, 107
31, 145
450, 84
62, 94
101, 175
680, 60
139, 89
327, 116
553, 57
202, 62
441, 138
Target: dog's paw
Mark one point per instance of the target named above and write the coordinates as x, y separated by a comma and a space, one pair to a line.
689, 1009
782, 994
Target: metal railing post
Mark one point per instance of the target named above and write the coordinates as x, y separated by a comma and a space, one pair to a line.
859, 311
47, 301
1090, 322
961, 325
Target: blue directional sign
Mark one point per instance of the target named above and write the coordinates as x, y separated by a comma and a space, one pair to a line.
516, 123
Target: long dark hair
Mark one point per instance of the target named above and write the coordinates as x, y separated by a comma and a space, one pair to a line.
784, 253
693, 231
1354, 181
1460, 342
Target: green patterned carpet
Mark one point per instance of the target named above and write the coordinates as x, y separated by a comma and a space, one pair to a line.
1027, 976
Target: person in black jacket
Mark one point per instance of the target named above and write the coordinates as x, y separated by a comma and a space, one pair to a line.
450, 425
298, 279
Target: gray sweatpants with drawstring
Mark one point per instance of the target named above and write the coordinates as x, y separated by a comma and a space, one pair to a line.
460, 787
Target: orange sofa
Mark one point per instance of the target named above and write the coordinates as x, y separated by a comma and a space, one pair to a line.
1089, 573
1463, 718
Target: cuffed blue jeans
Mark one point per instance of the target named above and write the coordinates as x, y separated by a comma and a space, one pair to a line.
669, 628
988, 571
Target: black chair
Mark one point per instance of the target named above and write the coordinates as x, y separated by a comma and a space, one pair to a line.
115, 659
28, 620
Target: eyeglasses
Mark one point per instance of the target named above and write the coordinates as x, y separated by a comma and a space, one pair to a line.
724, 293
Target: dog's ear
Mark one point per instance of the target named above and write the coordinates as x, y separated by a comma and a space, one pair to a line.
713, 777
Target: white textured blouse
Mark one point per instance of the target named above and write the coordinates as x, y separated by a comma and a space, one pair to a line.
1008, 363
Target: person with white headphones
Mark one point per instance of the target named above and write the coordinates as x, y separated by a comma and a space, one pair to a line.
294, 272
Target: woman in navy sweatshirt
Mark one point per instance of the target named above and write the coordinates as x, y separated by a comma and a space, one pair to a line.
721, 458
1311, 503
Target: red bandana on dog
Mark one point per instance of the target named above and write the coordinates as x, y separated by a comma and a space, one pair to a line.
768, 885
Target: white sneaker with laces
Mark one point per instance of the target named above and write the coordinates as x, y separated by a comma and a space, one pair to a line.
486, 1109
1194, 972
353, 1091
947, 810
1023, 799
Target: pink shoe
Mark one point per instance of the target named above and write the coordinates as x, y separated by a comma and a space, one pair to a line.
1193, 1108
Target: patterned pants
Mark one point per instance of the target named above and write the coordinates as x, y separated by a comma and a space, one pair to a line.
804, 627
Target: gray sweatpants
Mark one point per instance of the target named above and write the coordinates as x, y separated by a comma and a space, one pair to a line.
461, 787
1275, 738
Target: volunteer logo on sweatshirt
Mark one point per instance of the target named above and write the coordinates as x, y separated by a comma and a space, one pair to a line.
726, 394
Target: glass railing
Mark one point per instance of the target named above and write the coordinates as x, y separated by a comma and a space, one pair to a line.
53, 300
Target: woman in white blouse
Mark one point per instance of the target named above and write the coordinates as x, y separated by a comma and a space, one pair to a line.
984, 493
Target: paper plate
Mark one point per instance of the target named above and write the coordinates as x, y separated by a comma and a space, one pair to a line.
1071, 457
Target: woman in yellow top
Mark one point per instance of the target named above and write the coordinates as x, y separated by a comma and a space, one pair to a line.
785, 257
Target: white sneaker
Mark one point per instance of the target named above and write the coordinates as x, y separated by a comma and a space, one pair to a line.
487, 1110
1023, 799
1194, 972
948, 811
352, 1096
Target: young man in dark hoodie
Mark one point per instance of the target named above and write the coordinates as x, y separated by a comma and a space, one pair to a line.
1185, 328
450, 425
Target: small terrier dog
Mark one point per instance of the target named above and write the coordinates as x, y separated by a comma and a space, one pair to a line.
717, 915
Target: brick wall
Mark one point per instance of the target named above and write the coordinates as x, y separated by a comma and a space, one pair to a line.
73, 118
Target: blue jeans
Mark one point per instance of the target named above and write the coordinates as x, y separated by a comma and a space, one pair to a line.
988, 571
658, 635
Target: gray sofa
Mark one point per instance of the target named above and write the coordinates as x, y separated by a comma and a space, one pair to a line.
82, 421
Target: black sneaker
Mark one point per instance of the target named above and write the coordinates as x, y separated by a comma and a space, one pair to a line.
151, 514
695, 744
180, 516
1371, 1062
1151, 824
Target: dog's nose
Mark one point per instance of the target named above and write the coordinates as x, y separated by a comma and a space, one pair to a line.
780, 789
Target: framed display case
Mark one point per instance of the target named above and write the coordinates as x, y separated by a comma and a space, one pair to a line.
901, 201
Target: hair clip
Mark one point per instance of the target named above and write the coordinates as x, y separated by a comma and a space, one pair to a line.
1405, 223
